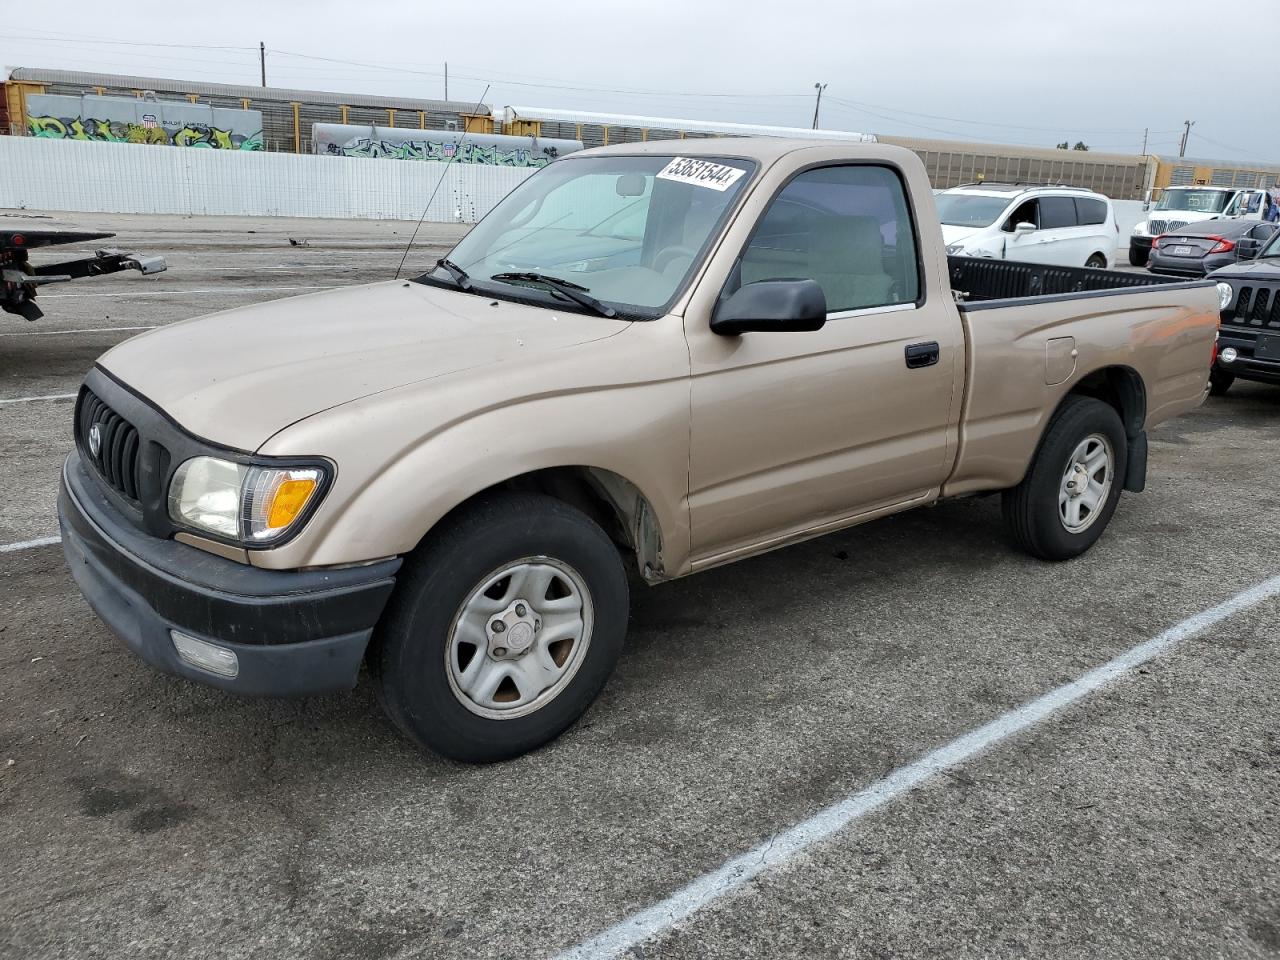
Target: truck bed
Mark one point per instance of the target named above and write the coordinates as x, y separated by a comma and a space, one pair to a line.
980, 280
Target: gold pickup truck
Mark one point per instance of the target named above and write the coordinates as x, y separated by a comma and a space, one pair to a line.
669, 355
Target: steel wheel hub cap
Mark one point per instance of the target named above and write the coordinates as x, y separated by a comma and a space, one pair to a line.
1086, 483
519, 638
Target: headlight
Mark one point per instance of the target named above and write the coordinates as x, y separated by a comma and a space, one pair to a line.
1224, 295
247, 503
956, 249
1140, 229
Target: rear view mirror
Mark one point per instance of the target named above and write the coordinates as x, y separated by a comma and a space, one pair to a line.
1024, 228
629, 185
1247, 248
772, 305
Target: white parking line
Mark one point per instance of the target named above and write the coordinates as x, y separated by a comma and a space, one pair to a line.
28, 544
50, 396
786, 846
63, 333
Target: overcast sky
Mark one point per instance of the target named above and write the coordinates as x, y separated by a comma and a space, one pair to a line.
1009, 71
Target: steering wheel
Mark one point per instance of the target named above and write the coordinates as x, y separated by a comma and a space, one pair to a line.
666, 255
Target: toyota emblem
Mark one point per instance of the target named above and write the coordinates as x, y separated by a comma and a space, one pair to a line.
95, 439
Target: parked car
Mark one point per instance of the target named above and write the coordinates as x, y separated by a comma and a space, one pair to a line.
1180, 206
1059, 225
1200, 248
1249, 338
444, 477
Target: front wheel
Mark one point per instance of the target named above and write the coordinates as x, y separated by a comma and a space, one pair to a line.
503, 628
1070, 492
1138, 257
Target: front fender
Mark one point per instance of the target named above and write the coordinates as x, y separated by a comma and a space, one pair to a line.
406, 458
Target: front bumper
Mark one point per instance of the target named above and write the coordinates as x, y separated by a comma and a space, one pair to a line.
1247, 368
294, 633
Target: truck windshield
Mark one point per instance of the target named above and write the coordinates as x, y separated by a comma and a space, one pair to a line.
969, 210
1194, 201
628, 230
1272, 247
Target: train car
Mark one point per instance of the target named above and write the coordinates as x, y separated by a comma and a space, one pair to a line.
601, 129
1189, 172
349, 140
287, 115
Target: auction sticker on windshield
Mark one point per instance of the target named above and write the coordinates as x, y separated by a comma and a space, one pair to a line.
701, 173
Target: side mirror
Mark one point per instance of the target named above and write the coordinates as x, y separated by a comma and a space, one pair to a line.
1247, 248
772, 305
1022, 229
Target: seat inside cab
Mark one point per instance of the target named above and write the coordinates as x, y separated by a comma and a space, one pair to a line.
845, 255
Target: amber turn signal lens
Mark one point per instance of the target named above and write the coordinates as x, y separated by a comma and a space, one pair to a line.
290, 498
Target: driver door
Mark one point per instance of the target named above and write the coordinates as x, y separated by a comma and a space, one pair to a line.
797, 432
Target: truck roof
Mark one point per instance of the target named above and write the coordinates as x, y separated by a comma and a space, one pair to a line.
763, 149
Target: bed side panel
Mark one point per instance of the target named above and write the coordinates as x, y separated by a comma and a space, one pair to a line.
1016, 364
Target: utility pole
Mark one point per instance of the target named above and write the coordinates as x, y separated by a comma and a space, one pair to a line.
819, 87
446, 80
262, 60
1182, 147
1145, 131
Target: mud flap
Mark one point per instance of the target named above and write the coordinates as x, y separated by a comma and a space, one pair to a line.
1135, 475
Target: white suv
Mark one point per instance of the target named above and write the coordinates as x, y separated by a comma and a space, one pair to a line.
1059, 225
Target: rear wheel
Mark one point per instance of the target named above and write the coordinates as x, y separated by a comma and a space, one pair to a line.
1220, 382
1097, 262
503, 629
1070, 492
1138, 257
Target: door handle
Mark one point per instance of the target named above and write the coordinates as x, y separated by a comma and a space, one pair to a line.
922, 354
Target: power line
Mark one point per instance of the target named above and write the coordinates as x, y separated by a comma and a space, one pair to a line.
1216, 143
128, 43
985, 123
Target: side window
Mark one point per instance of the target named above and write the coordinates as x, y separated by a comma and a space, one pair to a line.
1025, 213
848, 229
1090, 212
1057, 212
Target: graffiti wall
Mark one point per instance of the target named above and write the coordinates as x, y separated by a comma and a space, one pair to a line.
400, 143
133, 120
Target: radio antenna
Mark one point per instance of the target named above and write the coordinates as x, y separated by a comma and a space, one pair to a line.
457, 148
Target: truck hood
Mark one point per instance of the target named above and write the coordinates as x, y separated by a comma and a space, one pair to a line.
1268, 269
240, 376
1180, 216
951, 234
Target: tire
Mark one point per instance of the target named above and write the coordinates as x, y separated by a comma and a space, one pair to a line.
1096, 262
1138, 257
1036, 517
1220, 382
418, 664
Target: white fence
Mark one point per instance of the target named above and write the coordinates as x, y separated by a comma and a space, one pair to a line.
88, 176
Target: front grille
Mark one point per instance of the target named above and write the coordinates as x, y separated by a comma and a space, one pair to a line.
1256, 307
116, 442
1157, 227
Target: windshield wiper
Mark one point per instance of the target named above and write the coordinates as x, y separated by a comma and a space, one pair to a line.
572, 291
460, 276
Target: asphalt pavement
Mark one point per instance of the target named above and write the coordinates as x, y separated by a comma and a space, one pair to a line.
143, 816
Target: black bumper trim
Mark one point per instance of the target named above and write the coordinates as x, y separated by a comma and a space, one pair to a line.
1246, 366
294, 632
